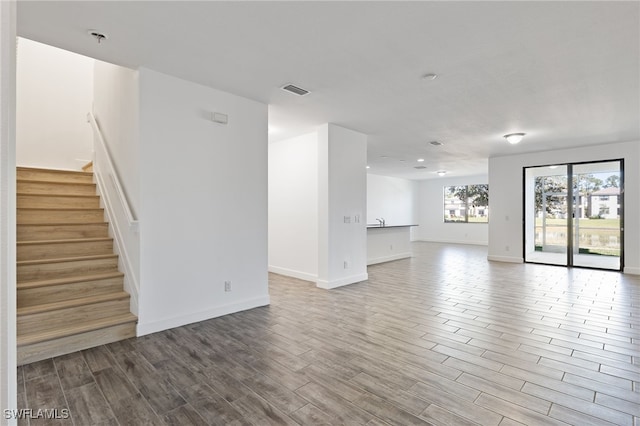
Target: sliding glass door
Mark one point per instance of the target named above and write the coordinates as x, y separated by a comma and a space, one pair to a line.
573, 214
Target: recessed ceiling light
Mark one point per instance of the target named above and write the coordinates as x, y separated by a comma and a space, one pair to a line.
435, 143
514, 138
368, 167
441, 172
430, 76
420, 160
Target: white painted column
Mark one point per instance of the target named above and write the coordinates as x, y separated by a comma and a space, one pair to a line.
342, 204
8, 383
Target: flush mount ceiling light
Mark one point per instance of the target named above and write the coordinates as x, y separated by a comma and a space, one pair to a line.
436, 143
99, 36
441, 172
514, 138
420, 160
368, 167
430, 76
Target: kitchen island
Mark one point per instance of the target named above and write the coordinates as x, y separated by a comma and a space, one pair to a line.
389, 242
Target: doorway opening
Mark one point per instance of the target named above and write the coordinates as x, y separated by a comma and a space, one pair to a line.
574, 214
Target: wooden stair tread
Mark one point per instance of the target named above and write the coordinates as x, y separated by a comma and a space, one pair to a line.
41, 169
75, 299
71, 240
47, 307
69, 280
64, 224
60, 208
66, 259
32, 338
61, 182
49, 194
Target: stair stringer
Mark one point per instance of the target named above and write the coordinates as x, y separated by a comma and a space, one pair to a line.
124, 247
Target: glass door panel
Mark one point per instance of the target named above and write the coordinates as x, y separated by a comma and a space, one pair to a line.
574, 214
597, 201
546, 221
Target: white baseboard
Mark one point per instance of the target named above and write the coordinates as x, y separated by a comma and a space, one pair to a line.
631, 270
383, 259
508, 259
328, 285
293, 273
472, 243
166, 324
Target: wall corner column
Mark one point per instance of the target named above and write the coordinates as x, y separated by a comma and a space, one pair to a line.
342, 205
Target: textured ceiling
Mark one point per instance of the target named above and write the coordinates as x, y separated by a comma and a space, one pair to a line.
565, 73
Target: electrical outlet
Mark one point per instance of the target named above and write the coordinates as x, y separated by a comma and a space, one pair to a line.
227, 286
356, 218
506, 248
347, 219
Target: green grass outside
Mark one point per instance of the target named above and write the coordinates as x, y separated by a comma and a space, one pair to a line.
603, 229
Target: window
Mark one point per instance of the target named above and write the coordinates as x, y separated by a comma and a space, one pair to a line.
466, 203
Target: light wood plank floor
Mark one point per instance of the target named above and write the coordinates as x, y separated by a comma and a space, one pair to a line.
444, 338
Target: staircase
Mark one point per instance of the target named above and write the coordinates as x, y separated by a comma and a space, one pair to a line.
70, 292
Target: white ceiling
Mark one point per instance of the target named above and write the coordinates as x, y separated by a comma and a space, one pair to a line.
565, 73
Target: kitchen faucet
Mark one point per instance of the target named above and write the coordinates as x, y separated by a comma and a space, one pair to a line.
381, 221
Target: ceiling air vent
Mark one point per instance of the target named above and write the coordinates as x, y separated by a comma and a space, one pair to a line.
435, 143
419, 167
295, 90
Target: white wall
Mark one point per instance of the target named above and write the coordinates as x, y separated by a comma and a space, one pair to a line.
115, 106
8, 376
54, 94
116, 110
203, 203
342, 192
391, 198
429, 197
505, 195
293, 207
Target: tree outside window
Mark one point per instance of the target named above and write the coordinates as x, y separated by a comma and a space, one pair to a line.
466, 203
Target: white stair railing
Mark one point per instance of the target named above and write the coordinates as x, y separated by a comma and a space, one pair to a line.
123, 222
101, 147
